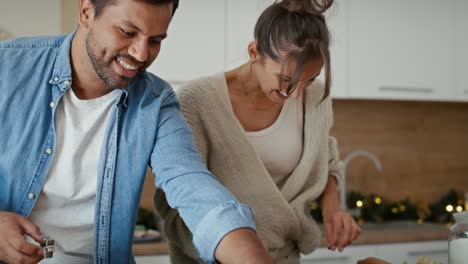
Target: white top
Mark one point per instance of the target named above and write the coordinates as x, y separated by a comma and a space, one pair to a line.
280, 145
65, 208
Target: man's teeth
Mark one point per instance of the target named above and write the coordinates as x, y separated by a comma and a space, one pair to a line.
126, 66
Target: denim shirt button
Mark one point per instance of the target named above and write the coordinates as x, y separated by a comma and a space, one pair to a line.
31, 196
52, 104
67, 82
56, 79
48, 151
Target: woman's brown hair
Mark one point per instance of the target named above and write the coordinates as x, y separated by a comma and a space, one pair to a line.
297, 27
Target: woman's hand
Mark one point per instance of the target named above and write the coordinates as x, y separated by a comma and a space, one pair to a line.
340, 228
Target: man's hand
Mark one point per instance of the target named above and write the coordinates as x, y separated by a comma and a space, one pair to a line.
13, 246
242, 246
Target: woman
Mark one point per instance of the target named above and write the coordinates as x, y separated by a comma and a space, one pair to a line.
263, 130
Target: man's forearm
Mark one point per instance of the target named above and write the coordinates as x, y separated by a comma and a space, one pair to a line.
242, 246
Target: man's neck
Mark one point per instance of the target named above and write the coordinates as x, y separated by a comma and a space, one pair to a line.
86, 83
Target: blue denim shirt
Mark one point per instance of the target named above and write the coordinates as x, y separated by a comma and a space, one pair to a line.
146, 128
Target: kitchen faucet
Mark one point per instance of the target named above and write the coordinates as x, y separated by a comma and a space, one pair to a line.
347, 160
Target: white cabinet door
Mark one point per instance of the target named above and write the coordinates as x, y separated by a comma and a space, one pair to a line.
401, 49
241, 17
23, 18
393, 253
153, 260
437, 251
350, 255
195, 43
410, 252
336, 19
461, 49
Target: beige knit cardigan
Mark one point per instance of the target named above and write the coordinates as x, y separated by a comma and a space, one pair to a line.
281, 212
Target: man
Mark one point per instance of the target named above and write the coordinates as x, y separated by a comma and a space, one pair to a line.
80, 121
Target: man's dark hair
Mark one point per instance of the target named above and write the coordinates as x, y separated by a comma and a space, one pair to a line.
99, 5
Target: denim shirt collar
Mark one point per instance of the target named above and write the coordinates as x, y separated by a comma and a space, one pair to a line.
62, 72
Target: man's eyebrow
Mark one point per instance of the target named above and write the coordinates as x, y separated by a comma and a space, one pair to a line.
130, 24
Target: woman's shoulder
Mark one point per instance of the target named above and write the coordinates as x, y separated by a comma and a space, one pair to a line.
200, 88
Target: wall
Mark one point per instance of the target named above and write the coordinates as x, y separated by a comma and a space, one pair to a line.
31, 18
70, 11
423, 147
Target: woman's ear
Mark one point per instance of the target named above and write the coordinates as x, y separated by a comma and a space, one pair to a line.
86, 13
252, 50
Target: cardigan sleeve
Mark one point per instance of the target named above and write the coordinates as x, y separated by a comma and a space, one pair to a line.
189, 107
335, 165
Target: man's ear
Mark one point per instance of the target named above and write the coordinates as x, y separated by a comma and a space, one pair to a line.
86, 13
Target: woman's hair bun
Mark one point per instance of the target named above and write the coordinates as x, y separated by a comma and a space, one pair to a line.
314, 7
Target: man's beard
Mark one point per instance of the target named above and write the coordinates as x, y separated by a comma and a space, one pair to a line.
104, 69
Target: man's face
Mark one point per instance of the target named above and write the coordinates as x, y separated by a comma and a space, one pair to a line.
125, 39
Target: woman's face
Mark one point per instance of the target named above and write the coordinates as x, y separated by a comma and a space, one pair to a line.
274, 83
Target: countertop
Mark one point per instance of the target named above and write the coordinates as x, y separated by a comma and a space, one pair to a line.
400, 232
372, 233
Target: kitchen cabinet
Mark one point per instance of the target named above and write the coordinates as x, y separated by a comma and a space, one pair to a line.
195, 43
23, 18
399, 252
337, 23
349, 255
163, 259
461, 51
241, 17
393, 253
401, 49
404, 50
437, 251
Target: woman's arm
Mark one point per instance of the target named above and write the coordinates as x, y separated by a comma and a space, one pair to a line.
340, 227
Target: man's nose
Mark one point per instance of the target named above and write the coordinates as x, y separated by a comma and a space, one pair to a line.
139, 50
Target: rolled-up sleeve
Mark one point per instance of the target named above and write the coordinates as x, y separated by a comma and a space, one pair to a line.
335, 165
208, 209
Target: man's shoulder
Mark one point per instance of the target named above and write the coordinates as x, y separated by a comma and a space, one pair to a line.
155, 83
154, 86
32, 42
29, 58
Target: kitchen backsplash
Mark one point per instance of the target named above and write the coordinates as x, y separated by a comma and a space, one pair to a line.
423, 147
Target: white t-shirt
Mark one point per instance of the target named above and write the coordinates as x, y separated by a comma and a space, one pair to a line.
65, 207
280, 145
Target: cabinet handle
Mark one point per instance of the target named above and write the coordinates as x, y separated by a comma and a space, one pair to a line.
325, 260
405, 89
427, 252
